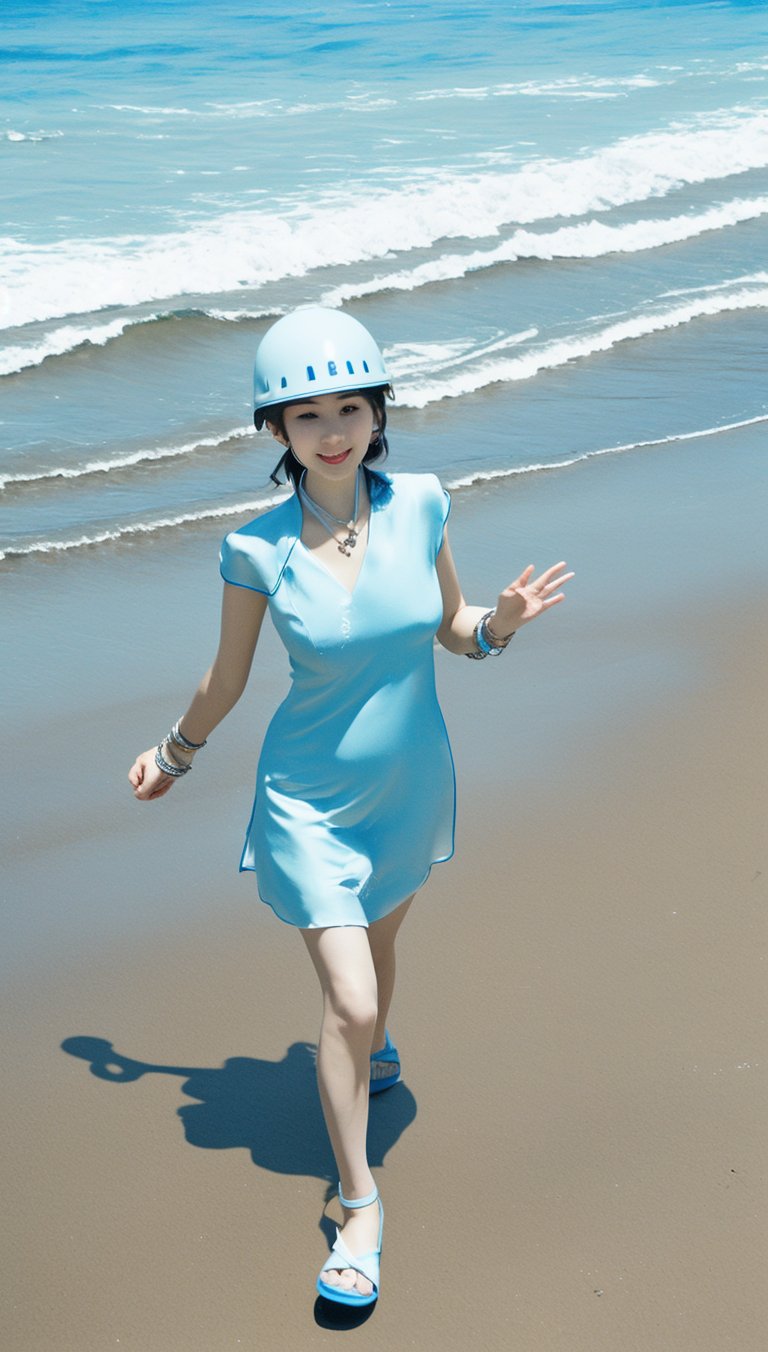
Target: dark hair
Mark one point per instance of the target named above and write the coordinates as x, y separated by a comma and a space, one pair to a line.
292, 468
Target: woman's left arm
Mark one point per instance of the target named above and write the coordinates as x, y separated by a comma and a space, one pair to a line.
522, 601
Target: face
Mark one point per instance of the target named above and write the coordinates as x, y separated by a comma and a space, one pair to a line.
329, 434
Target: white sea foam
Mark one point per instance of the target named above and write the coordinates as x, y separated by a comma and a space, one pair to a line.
252, 247
409, 359
592, 239
479, 375
61, 340
237, 316
744, 279
69, 337
486, 476
154, 109
259, 108
140, 528
126, 461
574, 87
16, 136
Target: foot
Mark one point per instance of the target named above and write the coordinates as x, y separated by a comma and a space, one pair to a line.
360, 1232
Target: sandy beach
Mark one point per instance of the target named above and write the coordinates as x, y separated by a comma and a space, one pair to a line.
574, 1161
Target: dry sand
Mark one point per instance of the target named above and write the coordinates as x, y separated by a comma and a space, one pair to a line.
574, 1162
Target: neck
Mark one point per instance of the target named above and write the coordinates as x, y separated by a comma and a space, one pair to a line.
336, 498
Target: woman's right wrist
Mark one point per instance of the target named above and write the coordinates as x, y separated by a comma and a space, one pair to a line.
176, 754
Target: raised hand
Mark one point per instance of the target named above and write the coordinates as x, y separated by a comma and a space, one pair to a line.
527, 597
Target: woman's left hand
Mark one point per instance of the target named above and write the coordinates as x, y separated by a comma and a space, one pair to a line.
527, 598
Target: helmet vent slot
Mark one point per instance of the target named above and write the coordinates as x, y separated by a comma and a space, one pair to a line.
310, 373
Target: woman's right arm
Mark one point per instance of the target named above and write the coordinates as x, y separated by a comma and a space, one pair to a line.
242, 614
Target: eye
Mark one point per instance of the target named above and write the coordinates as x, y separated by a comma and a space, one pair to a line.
304, 417
350, 408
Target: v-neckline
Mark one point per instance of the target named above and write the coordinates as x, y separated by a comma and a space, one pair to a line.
310, 553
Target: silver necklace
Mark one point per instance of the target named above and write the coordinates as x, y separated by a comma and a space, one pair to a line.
331, 522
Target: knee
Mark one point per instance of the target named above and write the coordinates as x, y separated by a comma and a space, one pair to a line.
354, 1007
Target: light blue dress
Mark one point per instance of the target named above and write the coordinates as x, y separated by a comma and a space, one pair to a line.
355, 788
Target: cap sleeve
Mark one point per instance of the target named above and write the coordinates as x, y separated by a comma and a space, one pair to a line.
438, 510
255, 556
239, 563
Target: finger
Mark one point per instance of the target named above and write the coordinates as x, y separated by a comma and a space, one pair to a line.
549, 573
552, 601
557, 582
519, 582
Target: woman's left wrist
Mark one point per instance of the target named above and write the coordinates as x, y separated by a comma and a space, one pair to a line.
496, 630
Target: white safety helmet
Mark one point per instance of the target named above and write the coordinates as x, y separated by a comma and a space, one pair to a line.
313, 351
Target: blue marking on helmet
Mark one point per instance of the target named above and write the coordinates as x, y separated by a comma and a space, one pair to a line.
332, 368
366, 367
310, 373
283, 383
350, 368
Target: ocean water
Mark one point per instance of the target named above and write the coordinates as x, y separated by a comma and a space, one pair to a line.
551, 215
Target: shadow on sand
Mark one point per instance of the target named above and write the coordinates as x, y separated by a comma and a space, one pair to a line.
270, 1108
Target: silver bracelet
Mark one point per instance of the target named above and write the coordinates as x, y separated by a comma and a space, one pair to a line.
176, 771
477, 655
499, 644
482, 647
178, 737
487, 644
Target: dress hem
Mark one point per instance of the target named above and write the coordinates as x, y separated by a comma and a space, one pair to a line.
351, 924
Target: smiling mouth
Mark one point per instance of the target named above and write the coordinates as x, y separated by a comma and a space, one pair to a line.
335, 459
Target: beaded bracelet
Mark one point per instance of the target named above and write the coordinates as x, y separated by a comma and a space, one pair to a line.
175, 771
498, 643
486, 643
482, 647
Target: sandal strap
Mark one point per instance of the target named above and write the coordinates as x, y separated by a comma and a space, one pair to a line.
367, 1264
389, 1053
358, 1201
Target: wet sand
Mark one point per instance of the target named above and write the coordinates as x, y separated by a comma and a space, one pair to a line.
574, 1161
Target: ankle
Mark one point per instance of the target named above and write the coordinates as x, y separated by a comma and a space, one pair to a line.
379, 1039
357, 1190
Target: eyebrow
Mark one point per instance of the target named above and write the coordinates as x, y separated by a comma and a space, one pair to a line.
312, 399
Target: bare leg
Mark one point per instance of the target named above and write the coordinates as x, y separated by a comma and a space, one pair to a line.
344, 965
381, 937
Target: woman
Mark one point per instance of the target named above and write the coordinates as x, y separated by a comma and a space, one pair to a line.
355, 786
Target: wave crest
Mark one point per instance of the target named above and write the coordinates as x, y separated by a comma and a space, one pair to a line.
248, 248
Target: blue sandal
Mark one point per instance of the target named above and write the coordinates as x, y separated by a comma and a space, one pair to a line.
367, 1264
385, 1067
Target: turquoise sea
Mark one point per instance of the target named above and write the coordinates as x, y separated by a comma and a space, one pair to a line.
552, 216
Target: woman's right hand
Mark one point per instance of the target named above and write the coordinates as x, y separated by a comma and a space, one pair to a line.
147, 779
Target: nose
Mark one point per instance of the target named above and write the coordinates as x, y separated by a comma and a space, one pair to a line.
332, 434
